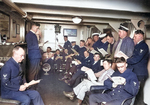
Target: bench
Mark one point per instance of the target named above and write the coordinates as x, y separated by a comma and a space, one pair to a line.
9, 101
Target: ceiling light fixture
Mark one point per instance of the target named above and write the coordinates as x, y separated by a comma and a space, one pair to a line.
76, 19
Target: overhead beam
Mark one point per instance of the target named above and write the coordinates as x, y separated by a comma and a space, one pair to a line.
15, 7
119, 5
81, 12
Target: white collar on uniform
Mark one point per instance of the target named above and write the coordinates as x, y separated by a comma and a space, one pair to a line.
86, 57
139, 41
95, 62
32, 31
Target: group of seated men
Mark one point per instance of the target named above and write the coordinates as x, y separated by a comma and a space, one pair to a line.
128, 58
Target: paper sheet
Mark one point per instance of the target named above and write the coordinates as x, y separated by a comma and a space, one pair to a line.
91, 75
102, 51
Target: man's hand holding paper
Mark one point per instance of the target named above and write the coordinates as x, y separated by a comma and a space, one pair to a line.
121, 54
118, 81
32, 83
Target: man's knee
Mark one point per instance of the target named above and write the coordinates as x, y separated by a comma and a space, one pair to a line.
36, 94
26, 101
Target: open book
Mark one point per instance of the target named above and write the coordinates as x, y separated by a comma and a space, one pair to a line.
33, 82
102, 51
121, 54
117, 80
91, 75
75, 52
93, 51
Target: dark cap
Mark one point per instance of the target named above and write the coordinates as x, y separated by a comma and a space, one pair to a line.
35, 23
124, 26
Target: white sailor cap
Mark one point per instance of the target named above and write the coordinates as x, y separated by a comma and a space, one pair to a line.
102, 35
124, 26
96, 34
73, 42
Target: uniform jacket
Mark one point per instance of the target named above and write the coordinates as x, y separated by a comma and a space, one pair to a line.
104, 46
126, 47
81, 53
97, 44
32, 46
139, 59
87, 61
96, 67
130, 89
76, 47
10, 79
67, 45
55, 55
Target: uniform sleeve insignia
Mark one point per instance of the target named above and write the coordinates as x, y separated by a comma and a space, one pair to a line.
4, 75
134, 83
141, 50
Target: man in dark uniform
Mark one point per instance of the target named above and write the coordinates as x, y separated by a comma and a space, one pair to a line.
139, 61
104, 44
126, 86
74, 46
97, 41
67, 44
34, 55
13, 82
81, 50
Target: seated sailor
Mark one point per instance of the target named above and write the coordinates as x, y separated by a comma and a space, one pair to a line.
123, 84
13, 82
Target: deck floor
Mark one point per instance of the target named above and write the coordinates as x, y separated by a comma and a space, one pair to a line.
51, 89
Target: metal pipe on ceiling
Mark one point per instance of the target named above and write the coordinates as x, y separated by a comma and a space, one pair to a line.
19, 10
